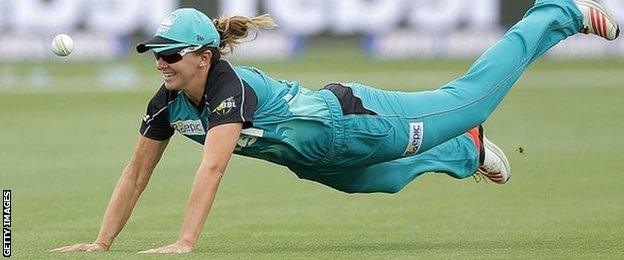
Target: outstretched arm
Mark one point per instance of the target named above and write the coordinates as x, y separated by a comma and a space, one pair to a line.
130, 185
218, 148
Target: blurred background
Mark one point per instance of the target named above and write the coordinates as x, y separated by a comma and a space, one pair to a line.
106, 31
69, 126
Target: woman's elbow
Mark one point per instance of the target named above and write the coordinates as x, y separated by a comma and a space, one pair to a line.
212, 169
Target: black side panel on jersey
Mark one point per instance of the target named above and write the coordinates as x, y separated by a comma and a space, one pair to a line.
351, 105
231, 99
155, 124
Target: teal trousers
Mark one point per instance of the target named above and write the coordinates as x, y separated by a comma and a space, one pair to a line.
376, 156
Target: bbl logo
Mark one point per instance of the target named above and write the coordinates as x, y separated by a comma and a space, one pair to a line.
225, 107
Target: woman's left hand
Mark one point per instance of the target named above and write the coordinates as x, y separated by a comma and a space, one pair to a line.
175, 248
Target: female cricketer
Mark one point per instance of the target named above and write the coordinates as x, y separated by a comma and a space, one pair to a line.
348, 136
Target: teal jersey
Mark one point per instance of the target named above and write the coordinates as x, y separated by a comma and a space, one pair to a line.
357, 138
282, 122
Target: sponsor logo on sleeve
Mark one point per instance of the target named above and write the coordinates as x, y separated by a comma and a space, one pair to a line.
225, 107
189, 127
416, 131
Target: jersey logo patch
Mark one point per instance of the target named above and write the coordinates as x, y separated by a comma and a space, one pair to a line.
189, 127
245, 141
225, 107
415, 138
167, 23
248, 137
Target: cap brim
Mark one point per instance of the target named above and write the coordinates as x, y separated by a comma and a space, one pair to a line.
160, 45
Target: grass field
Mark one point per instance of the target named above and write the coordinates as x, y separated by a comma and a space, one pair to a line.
63, 148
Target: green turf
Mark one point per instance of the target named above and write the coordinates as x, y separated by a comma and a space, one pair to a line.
63, 149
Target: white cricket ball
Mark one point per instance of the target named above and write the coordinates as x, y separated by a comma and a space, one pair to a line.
62, 45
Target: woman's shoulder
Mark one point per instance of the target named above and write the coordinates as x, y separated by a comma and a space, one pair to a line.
241, 70
225, 71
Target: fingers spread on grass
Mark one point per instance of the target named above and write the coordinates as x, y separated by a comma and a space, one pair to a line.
95, 248
149, 251
72, 248
176, 249
76, 248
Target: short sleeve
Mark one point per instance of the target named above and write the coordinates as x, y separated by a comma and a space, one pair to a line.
231, 100
155, 124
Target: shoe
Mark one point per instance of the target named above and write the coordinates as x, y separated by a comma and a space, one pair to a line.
598, 20
493, 162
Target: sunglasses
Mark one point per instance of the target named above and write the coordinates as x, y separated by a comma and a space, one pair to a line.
173, 58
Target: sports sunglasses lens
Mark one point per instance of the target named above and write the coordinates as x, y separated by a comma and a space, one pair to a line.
173, 58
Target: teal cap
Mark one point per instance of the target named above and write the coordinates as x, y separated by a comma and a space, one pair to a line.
182, 28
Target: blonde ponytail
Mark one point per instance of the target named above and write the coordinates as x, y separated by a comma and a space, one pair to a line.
236, 28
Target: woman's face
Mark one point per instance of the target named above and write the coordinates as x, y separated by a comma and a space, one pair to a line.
180, 74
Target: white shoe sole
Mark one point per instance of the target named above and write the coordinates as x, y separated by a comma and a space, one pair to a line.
501, 155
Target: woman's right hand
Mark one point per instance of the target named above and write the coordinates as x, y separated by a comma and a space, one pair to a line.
94, 247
